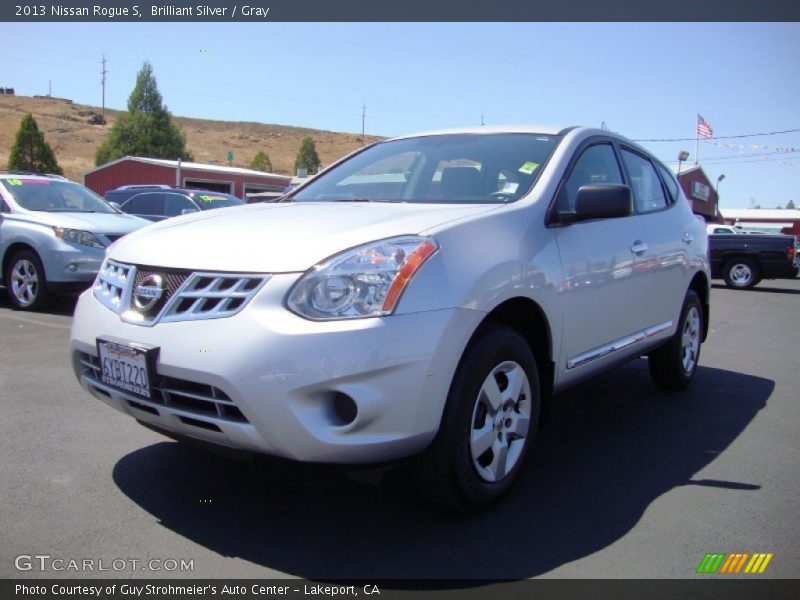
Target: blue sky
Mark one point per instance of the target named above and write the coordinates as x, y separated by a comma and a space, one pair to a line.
643, 80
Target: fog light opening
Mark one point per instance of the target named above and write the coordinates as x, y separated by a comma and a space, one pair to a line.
345, 408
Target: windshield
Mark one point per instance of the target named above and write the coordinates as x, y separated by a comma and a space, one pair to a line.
54, 195
216, 200
458, 168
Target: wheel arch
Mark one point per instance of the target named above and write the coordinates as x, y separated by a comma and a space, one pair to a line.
528, 318
701, 286
13, 249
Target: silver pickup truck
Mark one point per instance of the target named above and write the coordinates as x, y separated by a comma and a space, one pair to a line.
53, 236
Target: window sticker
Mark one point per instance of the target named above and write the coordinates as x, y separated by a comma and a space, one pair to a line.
509, 187
207, 198
31, 181
528, 168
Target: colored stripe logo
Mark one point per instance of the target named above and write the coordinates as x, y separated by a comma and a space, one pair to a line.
734, 563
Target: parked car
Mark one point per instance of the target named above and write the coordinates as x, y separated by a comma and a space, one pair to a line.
119, 195
744, 260
53, 235
163, 204
715, 229
421, 299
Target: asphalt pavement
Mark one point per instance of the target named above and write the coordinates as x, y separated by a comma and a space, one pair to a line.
625, 480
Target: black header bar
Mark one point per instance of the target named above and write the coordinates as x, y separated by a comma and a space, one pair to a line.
397, 11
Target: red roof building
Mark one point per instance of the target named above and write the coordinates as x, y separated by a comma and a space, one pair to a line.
134, 170
701, 193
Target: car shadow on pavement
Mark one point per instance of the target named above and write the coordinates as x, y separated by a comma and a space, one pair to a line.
63, 305
611, 447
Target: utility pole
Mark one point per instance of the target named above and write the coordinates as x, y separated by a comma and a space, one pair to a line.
103, 82
482, 122
363, 118
49, 88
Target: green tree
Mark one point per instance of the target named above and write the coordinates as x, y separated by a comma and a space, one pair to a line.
146, 129
790, 204
307, 157
261, 162
30, 151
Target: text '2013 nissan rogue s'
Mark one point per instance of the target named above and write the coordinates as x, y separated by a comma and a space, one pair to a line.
422, 298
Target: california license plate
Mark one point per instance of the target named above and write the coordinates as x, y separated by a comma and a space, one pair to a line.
125, 367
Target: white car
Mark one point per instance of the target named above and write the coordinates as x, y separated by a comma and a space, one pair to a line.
714, 229
422, 298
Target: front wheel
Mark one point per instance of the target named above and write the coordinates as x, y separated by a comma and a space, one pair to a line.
25, 281
674, 364
490, 418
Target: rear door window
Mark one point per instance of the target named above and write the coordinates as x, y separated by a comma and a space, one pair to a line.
669, 182
175, 204
648, 194
144, 204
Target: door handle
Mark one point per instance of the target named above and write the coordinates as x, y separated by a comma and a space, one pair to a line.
639, 247
688, 238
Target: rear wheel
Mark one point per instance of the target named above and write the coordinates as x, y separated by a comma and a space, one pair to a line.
25, 281
674, 364
741, 274
490, 418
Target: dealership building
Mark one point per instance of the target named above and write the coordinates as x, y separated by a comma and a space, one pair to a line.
135, 170
700, 191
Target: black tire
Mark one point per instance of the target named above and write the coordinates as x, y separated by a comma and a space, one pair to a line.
668, 364
446, 472
741, 274
25, 281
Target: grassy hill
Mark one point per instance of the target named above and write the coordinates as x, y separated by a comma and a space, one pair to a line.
74, 139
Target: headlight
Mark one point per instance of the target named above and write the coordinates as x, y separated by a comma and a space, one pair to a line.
76, 236
363, 282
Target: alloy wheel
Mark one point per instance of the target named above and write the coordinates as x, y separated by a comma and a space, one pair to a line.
24, 282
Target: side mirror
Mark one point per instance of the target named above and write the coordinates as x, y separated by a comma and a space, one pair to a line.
188, 211
599, 201
116, 205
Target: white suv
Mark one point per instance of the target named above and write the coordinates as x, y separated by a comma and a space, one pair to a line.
422, 298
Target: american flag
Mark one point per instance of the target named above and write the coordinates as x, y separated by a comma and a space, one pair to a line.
703, 128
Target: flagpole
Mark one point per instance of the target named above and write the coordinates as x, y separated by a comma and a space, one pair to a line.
697, 140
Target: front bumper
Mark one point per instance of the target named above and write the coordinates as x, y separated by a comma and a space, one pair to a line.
70, 264
265, 380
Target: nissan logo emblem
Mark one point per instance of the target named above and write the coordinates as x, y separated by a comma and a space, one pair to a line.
148, 293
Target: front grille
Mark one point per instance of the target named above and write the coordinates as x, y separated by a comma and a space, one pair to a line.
112, 285
211, 296
173, 280
185, 295
180, 394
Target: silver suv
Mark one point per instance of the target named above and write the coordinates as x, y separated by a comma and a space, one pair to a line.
53, 235
421, 298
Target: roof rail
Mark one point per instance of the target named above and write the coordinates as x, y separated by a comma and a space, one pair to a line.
144, 186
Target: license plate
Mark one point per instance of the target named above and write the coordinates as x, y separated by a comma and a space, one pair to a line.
126, 367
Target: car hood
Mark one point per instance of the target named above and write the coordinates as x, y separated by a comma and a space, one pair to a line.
278, 238
110, 223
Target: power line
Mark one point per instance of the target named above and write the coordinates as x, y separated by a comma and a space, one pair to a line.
722, 137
